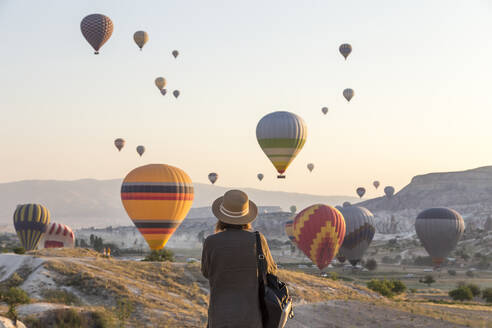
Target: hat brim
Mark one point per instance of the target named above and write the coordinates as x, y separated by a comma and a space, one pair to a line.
248, 218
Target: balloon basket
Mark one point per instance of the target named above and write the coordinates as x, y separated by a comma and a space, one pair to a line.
280, 176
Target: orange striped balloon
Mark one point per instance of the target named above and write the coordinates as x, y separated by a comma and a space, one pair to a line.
157, 197
319, 231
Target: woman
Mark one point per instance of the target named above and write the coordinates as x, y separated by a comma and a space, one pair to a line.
229, 264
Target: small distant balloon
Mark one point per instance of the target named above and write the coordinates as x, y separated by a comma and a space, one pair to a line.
176, 93
160, 82
260, 176
140, 150
345, 204
361, 191
175, 53
140, 38
345, 49
310, 167
96, 29
213, 177
348, 94
324, 110
389, 191
119, 143
163, 92
293, 209
376, 184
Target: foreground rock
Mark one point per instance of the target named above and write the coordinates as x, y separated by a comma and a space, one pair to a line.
7, 323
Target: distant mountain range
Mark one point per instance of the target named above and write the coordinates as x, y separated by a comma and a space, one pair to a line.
89, 202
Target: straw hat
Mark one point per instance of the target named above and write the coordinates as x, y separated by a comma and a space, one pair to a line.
235, 208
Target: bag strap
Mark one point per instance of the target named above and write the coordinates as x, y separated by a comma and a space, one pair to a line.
262, 282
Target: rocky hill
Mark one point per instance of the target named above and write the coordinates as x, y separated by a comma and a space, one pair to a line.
88, 202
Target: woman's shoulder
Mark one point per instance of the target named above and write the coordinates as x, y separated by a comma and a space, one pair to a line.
229, 234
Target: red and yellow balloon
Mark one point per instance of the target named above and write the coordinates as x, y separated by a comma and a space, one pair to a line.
319, 231
157, 197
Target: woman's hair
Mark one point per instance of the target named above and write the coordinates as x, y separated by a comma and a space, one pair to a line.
221, 226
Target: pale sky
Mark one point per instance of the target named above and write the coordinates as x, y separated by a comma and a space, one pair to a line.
421, 71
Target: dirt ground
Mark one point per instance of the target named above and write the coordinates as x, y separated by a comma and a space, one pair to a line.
350, 313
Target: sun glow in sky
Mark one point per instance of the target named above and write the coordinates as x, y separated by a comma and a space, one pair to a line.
421, 72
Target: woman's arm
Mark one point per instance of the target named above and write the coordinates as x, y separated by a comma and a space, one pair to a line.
205, 263
271, 265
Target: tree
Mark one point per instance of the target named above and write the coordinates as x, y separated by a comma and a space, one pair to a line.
470, 274
474, 289
161, 255
13, 296
462, 293
387, 288
487, 295
452, 272
428, 280
371, 264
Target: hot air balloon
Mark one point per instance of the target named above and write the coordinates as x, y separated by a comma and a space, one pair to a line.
345, 49
324, 110
359, 233
389, 191
346, 204
376, 184
176, 93
57, 235
293, 209
160, 82
260, 176
140, 38
96, 29
163, 92
281, 136
157, 198
119, 143
289, 231
213, 177
310, 167
348, 94
175, 53
439, 230
319, 231
361, 191
140, 150
31, 222
338, 207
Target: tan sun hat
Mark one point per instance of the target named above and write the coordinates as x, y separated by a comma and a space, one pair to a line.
235, 208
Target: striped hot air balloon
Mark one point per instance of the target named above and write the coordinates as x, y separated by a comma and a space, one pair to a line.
31, 222
157, 197
345, 49
281, 136
119, 143
96, 29
289, 231
319, 231
359, 233
57, 235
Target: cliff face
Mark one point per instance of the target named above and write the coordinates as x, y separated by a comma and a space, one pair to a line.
451, 189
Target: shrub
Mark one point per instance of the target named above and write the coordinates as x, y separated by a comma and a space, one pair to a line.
452, 272
387, 288
333, 276
162, 255
462, 293
428, 280
13, 296
470, 274
487, 295
474, 289
15, 280
423, 260
371, 264
60, 297
19, 250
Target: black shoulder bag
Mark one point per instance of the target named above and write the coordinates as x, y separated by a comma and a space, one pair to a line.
275, 301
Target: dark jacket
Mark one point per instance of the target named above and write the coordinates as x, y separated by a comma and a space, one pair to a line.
229, 264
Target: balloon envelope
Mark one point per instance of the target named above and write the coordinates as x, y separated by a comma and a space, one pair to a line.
310, 167
324, 110
175, 53
439, 230
375, 184
360, 230
293, 209
389, 191
345, 49
57, 235
163, 92
281, 136
361, 191
157, 198
289, 231
260, 176
319, 231
96, 29
213, 177
348, 94
31, 222
140, 38
140, 150
160, 82
119, 143
176, 93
